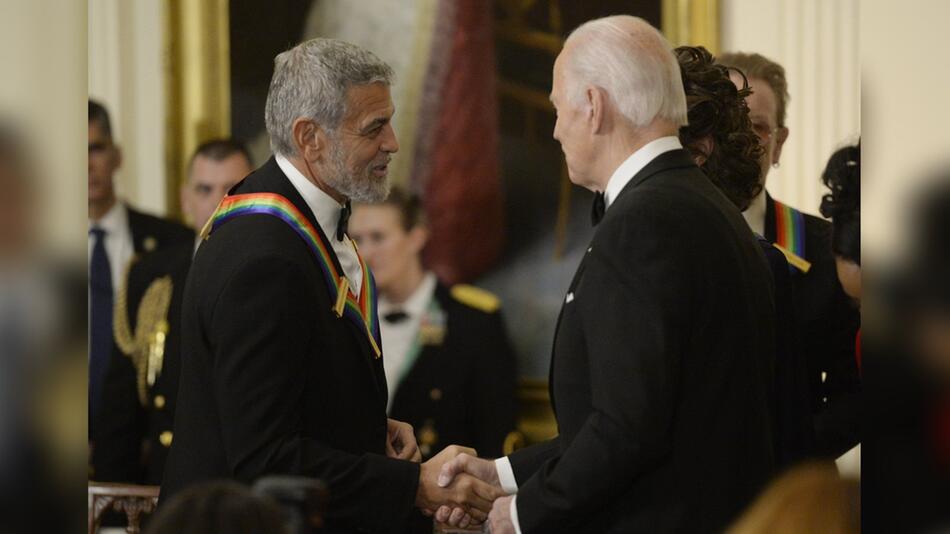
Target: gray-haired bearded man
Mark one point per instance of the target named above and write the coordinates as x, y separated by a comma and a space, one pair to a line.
281, 364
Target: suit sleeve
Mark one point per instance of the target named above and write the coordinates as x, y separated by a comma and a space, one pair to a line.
633, 306
261, 328
493, 389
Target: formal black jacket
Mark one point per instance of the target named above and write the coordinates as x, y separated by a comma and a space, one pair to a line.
149, 234
828, 324
794, 431
134, 438
461, 390
661, 368
273, 382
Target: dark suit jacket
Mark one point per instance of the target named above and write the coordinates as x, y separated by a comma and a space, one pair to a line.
149, 234
828, 323
794, 431
462, 390
134, 439
661, 368
273, 382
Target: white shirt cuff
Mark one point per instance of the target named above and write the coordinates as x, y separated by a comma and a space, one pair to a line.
506, 475
514, 515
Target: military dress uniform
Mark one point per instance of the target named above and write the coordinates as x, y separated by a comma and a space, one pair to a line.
147, 234
455, 378
142, 382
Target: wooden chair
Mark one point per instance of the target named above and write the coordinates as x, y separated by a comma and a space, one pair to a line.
132, 500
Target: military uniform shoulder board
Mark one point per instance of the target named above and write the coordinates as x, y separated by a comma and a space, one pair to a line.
474, 297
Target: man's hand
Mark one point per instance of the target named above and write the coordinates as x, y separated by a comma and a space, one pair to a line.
477, 467
499, 520
401, 441
473, 497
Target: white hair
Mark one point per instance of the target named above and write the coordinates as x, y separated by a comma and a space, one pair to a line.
311, 81
633, 63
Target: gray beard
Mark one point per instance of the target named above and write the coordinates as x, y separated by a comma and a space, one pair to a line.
363, 187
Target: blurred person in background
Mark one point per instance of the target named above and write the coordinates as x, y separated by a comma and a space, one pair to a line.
723, 144
116, 233
809, 498
135, 426
42, 303
218, 507
449, 365
906, 366
827, 318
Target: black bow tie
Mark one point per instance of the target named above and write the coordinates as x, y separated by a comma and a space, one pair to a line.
394, 317
597, 209
344, 221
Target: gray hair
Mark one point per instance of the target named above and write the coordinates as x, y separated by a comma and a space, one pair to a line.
633, 63
311, 80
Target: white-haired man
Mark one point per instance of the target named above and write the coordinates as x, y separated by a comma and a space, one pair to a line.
662, 352
281, 365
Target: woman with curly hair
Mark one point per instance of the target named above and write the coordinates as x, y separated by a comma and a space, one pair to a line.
842, 205
719, 134
723, 144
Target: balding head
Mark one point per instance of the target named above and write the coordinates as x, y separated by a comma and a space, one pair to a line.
632, 62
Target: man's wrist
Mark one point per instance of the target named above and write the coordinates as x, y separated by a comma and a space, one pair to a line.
506, 475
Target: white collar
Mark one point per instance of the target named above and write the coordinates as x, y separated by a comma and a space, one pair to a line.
417, 302
324, 208
115, 221
635, 163
755, 214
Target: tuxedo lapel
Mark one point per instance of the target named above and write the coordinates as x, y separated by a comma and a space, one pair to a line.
271, 179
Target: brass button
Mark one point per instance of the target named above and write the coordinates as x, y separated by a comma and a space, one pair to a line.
159, 401
435, 394
165, 438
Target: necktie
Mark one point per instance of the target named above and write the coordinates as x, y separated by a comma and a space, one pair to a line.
396, 316
100, 321
344, 221
597, 209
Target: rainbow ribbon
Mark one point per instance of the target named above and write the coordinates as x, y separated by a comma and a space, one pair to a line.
361, 310
790, 234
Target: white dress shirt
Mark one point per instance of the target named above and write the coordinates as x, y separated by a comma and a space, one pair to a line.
635, 163
399, 338
118, 241
755, 214
327, 212
618, 180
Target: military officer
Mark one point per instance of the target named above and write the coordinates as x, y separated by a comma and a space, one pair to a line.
448, 361
142, 380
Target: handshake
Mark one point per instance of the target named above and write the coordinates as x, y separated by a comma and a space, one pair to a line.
460, 489
455, 486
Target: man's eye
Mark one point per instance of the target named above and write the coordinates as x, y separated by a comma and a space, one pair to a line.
203, 189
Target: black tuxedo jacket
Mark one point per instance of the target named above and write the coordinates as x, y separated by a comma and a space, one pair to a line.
273, 382
462, 389
793, 431
661, 368
828, 324
134, 439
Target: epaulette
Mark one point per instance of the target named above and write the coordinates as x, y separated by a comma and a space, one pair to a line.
477, 298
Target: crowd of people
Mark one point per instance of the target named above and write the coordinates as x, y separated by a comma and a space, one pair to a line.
707, 344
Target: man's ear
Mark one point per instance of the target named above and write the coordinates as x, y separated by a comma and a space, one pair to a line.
309, 138
781, 134
117, 156
597, 108
418, 237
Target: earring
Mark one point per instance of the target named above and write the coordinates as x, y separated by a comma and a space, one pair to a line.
775, 165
